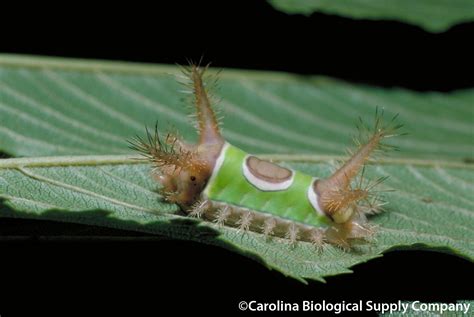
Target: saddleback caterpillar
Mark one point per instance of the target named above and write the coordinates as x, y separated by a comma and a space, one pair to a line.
218, 182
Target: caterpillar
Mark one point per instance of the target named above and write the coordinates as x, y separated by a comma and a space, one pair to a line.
220, 183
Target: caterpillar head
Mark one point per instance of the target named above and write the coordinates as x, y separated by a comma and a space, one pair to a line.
183, 186
184, 174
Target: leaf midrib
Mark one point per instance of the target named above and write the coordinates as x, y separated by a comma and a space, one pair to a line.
92, 160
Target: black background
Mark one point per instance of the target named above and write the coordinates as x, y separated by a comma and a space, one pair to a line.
132, 277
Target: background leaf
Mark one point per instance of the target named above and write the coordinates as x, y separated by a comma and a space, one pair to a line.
432, 15
63, 107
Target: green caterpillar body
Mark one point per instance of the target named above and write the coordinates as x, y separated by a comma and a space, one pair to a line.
232, 182
218, 182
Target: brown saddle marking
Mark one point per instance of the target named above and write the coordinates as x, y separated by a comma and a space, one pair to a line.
267, 171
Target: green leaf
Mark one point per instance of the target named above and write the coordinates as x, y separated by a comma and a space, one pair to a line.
432, 15
81, 113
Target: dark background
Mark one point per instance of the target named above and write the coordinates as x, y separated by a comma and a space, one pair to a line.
41, 272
